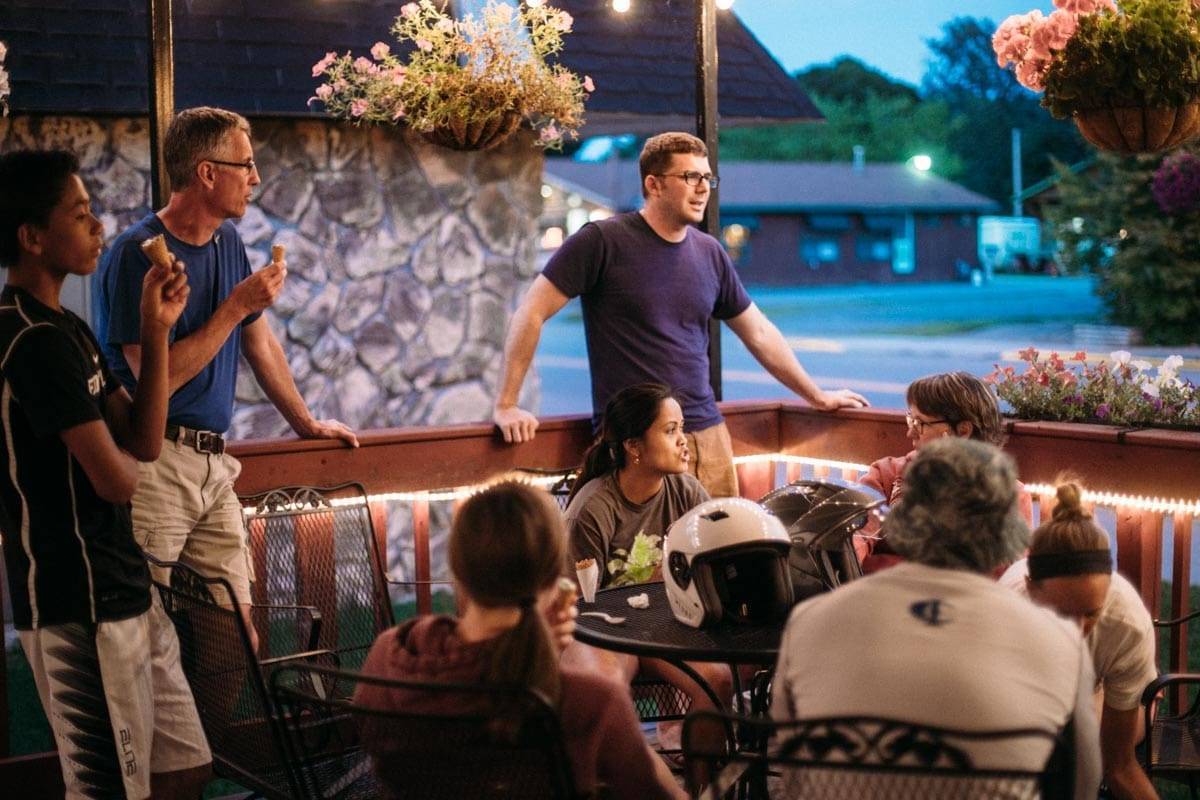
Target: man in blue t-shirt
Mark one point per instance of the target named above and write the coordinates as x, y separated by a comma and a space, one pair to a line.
650, 282
185, 508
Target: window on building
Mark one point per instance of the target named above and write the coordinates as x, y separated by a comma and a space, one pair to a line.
883, 223
873, 248
736, 238
818, 250
829, 222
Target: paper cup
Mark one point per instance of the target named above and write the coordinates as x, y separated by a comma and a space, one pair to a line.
589, 579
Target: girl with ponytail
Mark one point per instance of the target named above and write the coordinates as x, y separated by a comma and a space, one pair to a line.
507, 550
1070, 571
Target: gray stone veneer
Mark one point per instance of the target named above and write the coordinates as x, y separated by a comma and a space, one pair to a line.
404, 259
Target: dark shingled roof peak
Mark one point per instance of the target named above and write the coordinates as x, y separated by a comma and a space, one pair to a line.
71, 56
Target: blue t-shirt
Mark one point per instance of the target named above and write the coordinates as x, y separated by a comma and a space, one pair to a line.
206, 401
647, 303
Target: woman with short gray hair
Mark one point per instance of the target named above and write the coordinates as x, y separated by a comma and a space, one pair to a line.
934, 641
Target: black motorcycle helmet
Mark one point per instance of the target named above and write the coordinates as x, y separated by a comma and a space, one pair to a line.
821, 518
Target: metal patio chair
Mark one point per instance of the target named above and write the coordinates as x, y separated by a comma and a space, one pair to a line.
1171, 750
228, 681
317, 546
498, 742
861, 758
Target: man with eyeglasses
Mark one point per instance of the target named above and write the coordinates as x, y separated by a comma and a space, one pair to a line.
650, 282
185, 507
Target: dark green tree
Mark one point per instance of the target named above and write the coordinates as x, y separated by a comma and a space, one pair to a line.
891, 128
847, 78
1148, 261
985, 103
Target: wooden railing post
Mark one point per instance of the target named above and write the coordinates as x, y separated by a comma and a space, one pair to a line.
756, 479
1139, 553
1181, 579
420, 521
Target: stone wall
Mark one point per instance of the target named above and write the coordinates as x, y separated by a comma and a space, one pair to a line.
404, 259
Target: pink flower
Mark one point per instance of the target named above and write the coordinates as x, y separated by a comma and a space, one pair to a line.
358, 107
562, 21
548, 134
1051, 34
324, 64
399, 112
409, 10
363, 65
1028, 354
1080, 355
424, 45
340, 85
1084, 6
323, 93
588, 86
398, 74
379, 51
1032, 74
444, 25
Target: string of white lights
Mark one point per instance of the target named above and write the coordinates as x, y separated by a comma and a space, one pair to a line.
452, 494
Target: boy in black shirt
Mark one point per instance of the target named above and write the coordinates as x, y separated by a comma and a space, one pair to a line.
72, 438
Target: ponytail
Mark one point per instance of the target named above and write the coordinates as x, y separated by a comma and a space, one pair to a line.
599, 459
1071, 528
524, 655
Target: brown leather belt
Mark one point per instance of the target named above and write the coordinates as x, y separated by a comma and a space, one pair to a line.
200, 441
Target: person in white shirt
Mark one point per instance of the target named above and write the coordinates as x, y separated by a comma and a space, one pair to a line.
1070, 571
935, 641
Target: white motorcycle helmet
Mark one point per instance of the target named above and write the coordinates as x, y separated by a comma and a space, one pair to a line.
727, 559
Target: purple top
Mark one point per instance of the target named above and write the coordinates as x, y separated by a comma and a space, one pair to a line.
646, 307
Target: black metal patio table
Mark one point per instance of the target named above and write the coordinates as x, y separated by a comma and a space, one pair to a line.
655, 633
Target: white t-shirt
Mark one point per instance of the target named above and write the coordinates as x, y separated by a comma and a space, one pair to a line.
1121, 643
944, 648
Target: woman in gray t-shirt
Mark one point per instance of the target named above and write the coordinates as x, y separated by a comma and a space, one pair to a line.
633, 484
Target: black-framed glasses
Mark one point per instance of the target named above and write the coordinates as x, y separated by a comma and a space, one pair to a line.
248, 165
919, 425
692, 178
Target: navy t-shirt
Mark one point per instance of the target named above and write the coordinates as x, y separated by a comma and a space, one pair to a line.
647, 303
70, 553
206, 401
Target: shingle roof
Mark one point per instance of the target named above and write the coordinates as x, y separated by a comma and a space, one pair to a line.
772, 186
255, 56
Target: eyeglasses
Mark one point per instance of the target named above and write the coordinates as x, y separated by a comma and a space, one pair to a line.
919, 425
249, 166
694, 178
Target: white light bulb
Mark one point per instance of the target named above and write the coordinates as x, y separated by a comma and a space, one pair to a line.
724, 5
534, 3
620, 6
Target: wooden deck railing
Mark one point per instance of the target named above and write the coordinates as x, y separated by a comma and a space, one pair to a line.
398, 465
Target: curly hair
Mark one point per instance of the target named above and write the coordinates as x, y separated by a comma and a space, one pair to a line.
960, 509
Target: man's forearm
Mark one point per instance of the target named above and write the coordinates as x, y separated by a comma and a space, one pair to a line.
771, 350
523, 335
274, 375
193, 353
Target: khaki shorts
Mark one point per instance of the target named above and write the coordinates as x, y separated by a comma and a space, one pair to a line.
185, 509
117, 715
712, 460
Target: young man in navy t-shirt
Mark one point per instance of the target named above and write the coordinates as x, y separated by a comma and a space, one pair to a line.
650, 282
72, 441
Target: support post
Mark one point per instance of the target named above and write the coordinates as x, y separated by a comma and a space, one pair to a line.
707, 129
160, 82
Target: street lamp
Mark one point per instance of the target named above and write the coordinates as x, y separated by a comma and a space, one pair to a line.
921, 162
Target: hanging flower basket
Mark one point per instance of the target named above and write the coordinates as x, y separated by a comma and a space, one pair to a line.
1139, 130
466, 83
1127, 75
462, 135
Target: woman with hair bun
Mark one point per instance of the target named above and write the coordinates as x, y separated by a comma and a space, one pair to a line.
507, 551
1070, 570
